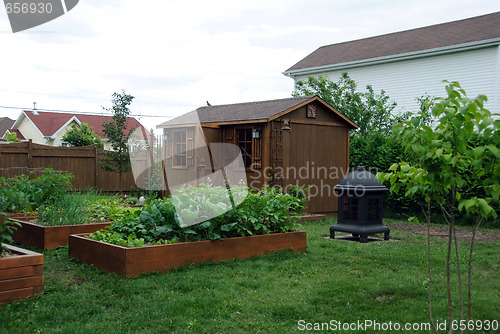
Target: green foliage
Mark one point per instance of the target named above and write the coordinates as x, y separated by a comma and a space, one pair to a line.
11, 137
51, 186
16, 194
110, 209
370, 111
20, 193
376, 151
69, 210
7, 227
81, 135
118, 159
461, 149
267, 211
84, 208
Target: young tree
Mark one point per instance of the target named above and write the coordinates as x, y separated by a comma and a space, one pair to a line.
81, 136
11, 137
462, 146
118, 160
370, 111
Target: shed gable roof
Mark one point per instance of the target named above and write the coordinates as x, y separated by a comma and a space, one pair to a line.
462, 32
261, 111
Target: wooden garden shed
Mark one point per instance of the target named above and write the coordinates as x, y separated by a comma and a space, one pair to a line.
292, 141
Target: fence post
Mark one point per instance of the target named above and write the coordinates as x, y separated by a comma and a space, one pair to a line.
30, 153
96, 163
151, 139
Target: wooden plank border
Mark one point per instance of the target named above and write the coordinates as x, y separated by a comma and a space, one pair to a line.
132, 262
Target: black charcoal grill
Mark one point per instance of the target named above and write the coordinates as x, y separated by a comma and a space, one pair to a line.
360, 206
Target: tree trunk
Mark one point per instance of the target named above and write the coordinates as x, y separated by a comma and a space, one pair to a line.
469, 281
451, 233
428, 216
121, 182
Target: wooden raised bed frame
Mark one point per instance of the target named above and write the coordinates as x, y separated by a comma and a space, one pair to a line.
21, 275
48, 237
132, 262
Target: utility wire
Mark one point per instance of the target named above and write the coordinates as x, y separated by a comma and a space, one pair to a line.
81, 112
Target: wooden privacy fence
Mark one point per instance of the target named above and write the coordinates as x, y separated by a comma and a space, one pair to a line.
82, 162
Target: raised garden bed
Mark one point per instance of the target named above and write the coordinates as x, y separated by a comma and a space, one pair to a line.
21, 274
311, 217
131, 262
48, 237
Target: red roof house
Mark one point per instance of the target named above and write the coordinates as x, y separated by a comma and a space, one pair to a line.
48, 128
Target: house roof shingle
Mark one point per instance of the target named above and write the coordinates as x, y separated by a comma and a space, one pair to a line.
5, 124
50, 122
475, 29
18, 133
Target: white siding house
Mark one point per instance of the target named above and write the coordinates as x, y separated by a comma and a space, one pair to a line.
412, 63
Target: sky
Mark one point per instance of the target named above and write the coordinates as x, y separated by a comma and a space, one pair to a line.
173, 55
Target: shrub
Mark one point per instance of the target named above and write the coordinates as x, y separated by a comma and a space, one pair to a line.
51, 186
20, 193
16, 194
7, 227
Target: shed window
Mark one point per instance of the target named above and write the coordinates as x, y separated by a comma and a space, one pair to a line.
179, 146
245, 140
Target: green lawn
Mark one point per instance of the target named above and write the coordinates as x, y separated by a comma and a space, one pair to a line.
335, 280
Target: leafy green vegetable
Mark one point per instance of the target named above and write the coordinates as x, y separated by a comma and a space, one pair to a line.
158, 222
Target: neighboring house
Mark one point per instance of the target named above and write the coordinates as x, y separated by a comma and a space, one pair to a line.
299, 140
409, 64
48, 128
5, 124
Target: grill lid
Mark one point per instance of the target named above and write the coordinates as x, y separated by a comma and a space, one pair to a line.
360, 180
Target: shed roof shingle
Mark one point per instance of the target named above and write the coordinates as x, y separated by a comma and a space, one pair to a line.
475, 29
248, 111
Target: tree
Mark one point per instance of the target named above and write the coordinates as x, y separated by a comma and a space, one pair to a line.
370, 111
81, 136
462, 146
11, 137
118, 160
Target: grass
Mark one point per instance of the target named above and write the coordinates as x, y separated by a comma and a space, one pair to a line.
335, 280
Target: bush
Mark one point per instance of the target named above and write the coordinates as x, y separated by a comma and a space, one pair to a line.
263, 212
20, 193
7, 227
51, 186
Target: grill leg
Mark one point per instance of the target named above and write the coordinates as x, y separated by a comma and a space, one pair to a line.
363, 239
332, 233
386, 235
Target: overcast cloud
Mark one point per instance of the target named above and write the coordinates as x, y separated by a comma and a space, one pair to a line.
175, 55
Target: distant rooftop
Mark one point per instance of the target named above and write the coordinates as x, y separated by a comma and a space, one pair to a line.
50, 122
473, 30
5, 124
